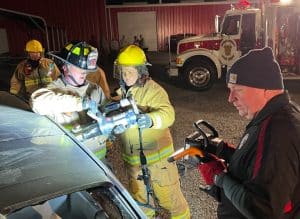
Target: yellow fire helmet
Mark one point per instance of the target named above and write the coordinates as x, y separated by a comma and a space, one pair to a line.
34, 46
132, 55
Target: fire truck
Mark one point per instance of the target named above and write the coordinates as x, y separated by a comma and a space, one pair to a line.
203, 59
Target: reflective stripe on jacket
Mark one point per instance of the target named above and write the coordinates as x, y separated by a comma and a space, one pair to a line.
157, 141
24, 82
151, 157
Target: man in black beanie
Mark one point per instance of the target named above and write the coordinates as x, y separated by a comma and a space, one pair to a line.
261, 178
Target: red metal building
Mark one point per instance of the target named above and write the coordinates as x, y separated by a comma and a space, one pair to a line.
66, 20
171, 19
93, 21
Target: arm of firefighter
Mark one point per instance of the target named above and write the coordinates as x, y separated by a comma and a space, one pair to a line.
160, 109
98, 77
15, 85
16, 79
51, 67
47, 101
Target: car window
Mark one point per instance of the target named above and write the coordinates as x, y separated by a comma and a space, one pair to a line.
99, 203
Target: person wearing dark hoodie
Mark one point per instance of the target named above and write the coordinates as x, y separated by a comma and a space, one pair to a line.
260, 177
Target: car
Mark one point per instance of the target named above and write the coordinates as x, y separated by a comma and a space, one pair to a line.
45, 172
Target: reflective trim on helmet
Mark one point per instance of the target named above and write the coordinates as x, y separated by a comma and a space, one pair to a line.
91, 61
79, 54
69, 63
69, 46
77, 50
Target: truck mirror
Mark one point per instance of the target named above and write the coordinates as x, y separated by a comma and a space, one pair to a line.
217, 23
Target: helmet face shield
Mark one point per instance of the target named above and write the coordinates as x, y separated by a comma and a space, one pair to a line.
117, 71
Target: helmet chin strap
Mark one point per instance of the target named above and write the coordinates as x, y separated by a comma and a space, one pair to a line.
70, 76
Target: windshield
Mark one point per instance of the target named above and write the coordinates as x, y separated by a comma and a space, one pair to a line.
231, 25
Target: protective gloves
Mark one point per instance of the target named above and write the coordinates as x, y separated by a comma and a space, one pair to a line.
144, 121
211, 168
89, 104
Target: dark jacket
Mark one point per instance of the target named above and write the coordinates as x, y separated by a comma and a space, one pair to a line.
263, 179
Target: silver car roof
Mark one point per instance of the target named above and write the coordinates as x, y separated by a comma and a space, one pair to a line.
39, 161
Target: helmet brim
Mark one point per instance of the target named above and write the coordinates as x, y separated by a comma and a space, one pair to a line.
65, 61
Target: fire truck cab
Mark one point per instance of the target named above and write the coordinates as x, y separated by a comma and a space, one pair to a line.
202, 59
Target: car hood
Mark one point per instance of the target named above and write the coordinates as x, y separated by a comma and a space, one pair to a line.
40, 161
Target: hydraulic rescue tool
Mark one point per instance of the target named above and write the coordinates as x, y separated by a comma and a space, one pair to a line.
123, 113
146, 177
197, 145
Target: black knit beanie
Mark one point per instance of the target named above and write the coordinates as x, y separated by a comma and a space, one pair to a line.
258, 68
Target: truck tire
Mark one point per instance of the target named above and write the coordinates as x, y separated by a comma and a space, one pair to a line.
199, 75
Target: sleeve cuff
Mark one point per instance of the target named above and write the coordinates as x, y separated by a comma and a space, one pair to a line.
218, 179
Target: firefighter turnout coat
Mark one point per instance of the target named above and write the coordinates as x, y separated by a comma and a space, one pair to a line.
26, 79
99, 77
157, 145
63, 103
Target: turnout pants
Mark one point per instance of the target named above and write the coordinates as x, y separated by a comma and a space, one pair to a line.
166, 185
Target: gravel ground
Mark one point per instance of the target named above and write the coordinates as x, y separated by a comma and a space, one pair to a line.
191, 106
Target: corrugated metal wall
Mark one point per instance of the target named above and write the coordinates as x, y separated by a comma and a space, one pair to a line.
172, 19
66, 19
89, 20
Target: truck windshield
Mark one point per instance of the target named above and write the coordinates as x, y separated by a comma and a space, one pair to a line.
231, 25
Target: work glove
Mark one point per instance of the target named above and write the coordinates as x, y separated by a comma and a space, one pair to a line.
88, 104
144, 121
210, 169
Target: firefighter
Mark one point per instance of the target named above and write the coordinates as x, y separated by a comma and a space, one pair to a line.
34, 72
262, 178
99, 77
157, 115
67, 99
